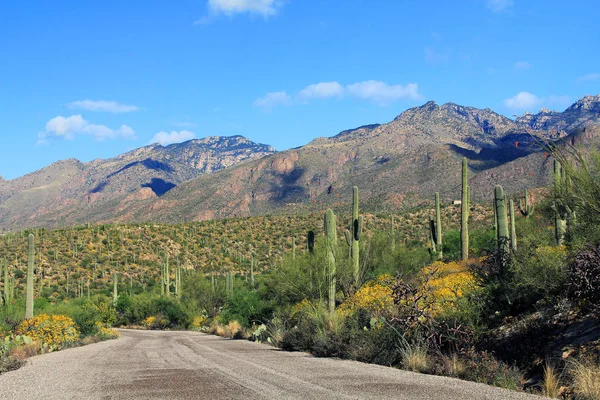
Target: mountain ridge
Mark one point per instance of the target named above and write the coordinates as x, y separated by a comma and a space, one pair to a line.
396, 164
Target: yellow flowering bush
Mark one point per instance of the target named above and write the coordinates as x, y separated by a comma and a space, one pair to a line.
199, 321
108, 333
150, 321
156, 322
375, 297
53, 331
305, 307
447, 283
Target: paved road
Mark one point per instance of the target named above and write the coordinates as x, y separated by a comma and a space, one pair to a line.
188, 365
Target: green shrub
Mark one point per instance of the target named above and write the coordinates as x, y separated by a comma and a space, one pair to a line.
173, 311
88, 318
244, 306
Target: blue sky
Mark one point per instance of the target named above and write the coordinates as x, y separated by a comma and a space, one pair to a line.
86, 80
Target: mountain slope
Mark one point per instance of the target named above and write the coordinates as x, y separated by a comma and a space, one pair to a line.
397, 164
76, 188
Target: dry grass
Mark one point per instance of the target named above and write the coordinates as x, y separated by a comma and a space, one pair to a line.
220, 330
415, 358
25, 351
235, 330
551, 382
586, 380
454, 366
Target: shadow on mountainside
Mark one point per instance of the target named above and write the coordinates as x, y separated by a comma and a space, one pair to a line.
159, 186
285, 187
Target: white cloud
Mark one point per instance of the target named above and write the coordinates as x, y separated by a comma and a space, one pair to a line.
499, 5
530, 102
167, 138
523, 101
589, 77
322, 90
382, 93
69, 127
271, 100
375, 91
522, 65
231, 7
102, 105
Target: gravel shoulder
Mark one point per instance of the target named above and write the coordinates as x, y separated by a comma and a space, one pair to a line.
190, 365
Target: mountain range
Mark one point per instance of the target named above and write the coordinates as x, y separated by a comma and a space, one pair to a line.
396, 164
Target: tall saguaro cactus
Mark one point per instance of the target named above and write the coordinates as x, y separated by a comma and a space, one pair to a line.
560, 218
513, 229
115, 289
438, 226
30, 265
502, 228
464, 211
252, 270
6, 282
331, 242
353, 237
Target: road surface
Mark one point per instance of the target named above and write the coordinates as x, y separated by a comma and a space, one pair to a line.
189, 365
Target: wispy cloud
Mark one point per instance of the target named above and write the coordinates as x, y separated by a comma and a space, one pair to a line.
594, 76
102, 105
499, 5
167, 138
377, 92
525, 101
522, 65
322, 90
69, 127
272, 100
382, 93
265, 8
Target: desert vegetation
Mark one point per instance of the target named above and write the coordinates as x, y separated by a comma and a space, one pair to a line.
504, 293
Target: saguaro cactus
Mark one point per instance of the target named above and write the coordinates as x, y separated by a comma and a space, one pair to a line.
311, 241
432, 235
30, 265
525, 208
7, 291
393, 234
502, 228
438, 226
464, 211
513, 229
115, 289
561, 210
167, 276
293, 248
252, 270
353, 238
331, 241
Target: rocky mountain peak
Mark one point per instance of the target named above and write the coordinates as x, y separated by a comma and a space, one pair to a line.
586, 103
